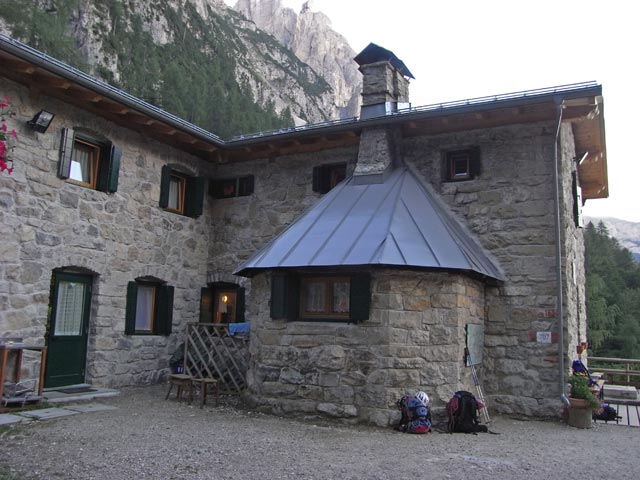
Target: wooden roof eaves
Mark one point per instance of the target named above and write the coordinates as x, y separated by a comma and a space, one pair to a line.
67, 77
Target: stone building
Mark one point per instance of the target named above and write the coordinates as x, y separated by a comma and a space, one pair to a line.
366, 254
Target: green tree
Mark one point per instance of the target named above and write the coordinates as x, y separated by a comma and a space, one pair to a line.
613, 295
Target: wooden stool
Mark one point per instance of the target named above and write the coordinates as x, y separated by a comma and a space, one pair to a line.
204, 383
181, 380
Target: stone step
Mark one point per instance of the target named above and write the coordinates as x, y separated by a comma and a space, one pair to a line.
620, 392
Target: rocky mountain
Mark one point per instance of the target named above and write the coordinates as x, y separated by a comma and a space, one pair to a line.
198, 59
627, 233
310, 37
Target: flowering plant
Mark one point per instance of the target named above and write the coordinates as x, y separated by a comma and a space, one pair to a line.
7, 138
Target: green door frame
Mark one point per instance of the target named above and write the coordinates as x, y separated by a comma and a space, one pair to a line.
67, 348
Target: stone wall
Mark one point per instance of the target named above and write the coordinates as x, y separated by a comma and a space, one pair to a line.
47, 223
510, 209
413, 340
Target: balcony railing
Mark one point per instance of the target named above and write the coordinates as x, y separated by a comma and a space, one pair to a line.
619, 371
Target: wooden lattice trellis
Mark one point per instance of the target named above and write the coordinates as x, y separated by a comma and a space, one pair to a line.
210, 352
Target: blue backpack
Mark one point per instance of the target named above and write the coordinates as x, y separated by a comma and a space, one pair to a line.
416, 416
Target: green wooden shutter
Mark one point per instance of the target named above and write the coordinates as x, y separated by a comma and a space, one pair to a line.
293, 297
240, 305
164, 310
165, 180
114, 169
206, 305
66, 152
132, 300
317, 179
279, 286
474, 162
360, 297
194, 196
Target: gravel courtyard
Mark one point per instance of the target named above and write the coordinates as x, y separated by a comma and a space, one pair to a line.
148, 437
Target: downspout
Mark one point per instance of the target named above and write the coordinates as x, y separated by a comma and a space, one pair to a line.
558, 227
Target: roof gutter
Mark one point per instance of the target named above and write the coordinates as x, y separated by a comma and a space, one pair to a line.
558, 234
29, 54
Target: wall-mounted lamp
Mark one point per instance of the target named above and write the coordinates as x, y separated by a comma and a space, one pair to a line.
41, 121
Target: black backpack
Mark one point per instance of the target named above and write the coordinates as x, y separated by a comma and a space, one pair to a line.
606, 413
463, 413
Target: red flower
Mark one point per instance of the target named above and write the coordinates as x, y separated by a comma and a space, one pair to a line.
4, 127
14, 134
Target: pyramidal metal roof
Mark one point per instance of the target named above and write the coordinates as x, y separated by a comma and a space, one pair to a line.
395, 223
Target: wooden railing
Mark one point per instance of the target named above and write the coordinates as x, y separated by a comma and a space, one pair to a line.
627, 374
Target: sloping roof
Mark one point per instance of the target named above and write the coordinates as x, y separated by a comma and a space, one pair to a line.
373, 53
395, 223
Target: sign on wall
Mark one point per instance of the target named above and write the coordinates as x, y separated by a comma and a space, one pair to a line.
475, 343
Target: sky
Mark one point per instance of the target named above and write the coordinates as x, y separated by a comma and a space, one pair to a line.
459, 49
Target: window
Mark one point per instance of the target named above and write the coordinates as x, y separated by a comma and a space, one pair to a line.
325, 297
325, 177
176, 193
181, 193
89, 161
222, 303
232, 187
461, 164
149, 307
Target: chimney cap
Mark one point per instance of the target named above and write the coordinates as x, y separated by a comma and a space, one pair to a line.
374, 53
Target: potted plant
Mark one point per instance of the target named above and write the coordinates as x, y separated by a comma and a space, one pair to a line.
582, 402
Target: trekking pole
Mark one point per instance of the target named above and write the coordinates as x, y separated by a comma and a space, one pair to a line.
484, 411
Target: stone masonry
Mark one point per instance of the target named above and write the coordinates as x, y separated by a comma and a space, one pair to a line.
47, 223
414, 339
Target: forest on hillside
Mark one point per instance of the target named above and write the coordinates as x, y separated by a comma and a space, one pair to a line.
192, 77
613, 295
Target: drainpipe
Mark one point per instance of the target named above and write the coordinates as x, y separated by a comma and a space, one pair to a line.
559, 300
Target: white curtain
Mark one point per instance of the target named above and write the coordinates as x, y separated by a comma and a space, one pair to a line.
69, 308
144, 308
341, 297
174, 189
315, 296
81, 165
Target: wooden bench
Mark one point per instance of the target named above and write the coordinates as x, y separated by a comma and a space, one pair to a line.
204, 384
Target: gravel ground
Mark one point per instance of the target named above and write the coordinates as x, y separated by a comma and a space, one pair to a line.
148, 437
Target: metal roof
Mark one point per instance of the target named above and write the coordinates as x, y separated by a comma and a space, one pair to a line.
395, 223
373, 53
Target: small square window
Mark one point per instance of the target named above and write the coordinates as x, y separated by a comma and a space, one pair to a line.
326, 177
232, 187
461, 164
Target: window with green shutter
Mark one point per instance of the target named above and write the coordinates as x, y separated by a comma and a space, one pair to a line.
320, 297
149, 308
181, 193
89, 161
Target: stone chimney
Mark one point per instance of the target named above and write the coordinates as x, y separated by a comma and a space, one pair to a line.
385, 89
385, 82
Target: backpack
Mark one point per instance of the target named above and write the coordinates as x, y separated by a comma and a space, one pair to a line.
462, 410
416, 416
607, 413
